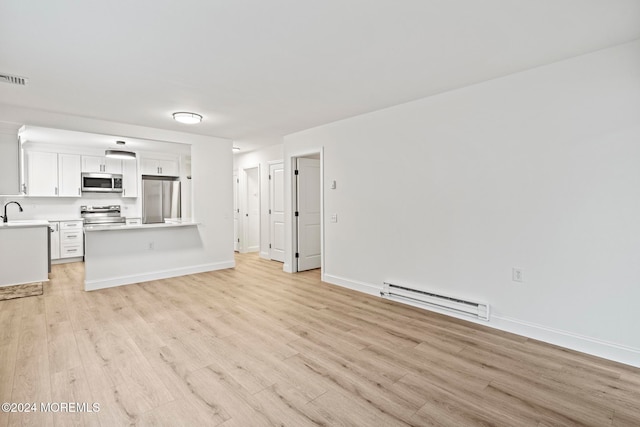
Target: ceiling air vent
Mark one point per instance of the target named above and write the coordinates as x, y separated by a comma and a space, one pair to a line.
15, 80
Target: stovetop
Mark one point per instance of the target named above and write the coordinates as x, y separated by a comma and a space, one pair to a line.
102, 215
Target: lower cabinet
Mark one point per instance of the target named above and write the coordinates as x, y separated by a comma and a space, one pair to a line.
133, 221
67, 239
54, 228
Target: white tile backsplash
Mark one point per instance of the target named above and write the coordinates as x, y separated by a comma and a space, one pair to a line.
52, 208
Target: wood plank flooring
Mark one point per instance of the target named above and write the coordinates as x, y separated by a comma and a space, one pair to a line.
253, 346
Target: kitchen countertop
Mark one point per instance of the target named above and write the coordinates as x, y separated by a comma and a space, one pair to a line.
24, 223
139, 226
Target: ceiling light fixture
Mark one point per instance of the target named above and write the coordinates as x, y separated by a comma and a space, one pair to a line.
236, 148
187, 118
120, 154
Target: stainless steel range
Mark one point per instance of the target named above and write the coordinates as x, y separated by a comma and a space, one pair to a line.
101, 216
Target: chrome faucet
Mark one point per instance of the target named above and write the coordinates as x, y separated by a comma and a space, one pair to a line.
4, 218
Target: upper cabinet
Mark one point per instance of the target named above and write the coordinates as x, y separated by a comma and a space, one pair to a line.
69, 180
129, 178
101, 164
159, 167
50, 162
51, 174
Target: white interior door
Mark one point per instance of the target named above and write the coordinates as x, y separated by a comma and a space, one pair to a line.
308, 213
252, 214
276, 211
236, 213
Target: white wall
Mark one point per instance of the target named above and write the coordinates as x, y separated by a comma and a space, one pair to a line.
538, 170
9, 182
211, 165
261, 158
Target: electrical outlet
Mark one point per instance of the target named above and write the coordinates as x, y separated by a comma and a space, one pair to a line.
151, 246
516, 275
334, 218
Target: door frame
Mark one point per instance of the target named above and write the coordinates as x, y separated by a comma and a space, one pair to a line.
270, 202
244, 208
236, 211
291, 263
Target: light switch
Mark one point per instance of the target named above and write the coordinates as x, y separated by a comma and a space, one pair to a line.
333, 185
334, 218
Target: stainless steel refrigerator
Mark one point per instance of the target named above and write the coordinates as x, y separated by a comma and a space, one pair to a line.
160, 198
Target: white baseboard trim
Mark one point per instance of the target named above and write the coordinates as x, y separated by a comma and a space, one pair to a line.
596, 347
600, 348
93, 285
66, 260
352, 284
265, 255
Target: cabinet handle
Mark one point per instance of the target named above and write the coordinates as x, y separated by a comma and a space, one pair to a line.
78, 191
124, 192
56, 191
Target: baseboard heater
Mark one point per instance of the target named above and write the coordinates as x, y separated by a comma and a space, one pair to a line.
430, 300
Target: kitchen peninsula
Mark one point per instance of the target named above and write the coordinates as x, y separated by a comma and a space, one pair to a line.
23, 258
121, 255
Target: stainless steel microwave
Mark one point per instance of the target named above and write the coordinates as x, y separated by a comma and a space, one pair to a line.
101, 182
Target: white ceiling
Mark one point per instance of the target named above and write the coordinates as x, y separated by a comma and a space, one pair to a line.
258, 70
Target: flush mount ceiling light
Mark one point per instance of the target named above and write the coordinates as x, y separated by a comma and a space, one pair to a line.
120, 154
188, 118
236, 148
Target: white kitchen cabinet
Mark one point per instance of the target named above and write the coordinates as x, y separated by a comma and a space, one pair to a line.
41, 174
51, 174
71, 239
129, 178
54, 227
69, 181
159, 167
101, 164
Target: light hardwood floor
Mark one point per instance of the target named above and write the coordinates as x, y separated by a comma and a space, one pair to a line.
253, 346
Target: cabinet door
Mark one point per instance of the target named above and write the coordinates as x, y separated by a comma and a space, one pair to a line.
149, 167
168, 167
55, 239
92, 164
69, 168
129, 178
41, 173
159, 167
112, 165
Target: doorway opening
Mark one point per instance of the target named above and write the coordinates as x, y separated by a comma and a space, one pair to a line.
251, 224
236, 212
307, 212
276, 211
